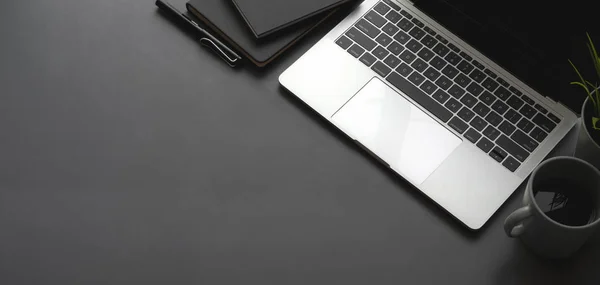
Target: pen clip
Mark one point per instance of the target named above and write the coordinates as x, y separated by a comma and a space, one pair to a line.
220, 52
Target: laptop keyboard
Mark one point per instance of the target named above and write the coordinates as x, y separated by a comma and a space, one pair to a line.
457, 89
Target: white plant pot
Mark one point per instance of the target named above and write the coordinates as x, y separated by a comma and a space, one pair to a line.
587, 149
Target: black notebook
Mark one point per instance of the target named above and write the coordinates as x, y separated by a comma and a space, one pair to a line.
265, 17
223, 19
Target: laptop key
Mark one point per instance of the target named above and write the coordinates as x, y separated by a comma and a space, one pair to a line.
402, 37
500, 107
419, 97
490, 84
441, 49
392, 61
458, 125
472, 135
441, 39
453, 105
404, 69
393, 16
462, 80
544, 123
515, 90
525, 125
426, 54
418, 23
511, 164
344, 42
512, 148
440, 96
494, 119
416, 78
361, 39
414, 46
381, 69
405, 24
432, 74
481, 109
465, 67
502, 82
443, 82
428, 87
468, 100
430, 31
417, 33
487, 98
478, 123
454, 48
368, 59
538, 134
407, 56
507, 128
502, 93
478, 65
491, 133
356, 50
395, 48
465, 56
429, 41
524, 141
498, 154
485, 145
475, 89
539, 108
515, 102
375, 19
490, 73
477, 75
554, 118
383, 40
380, 52
392, 4
382, 8
466, 114
419, 65
450, 71
438, 63
528, 111
512, 116
452, 58
390, 29
526, 99
406, 14
367, 28
456, 91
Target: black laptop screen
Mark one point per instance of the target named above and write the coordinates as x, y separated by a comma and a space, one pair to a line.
531, 39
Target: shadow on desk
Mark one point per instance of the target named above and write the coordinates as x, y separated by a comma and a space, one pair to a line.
524, 267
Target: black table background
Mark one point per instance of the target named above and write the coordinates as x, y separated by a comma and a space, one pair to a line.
129, 155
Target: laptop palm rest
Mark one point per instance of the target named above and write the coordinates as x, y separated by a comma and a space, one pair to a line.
398, 132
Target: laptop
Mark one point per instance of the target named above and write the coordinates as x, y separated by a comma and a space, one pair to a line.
460, 127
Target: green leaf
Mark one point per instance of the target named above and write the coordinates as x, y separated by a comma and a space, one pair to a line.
594, 54
594, 121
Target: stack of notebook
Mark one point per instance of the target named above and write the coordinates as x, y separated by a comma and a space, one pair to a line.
261, 30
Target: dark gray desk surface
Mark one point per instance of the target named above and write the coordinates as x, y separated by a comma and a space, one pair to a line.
128, 155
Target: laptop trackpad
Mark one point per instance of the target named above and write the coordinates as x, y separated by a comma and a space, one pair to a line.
402, 135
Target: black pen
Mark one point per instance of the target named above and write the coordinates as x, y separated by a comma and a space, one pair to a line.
207, 39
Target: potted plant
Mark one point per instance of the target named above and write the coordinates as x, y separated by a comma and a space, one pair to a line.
588, 144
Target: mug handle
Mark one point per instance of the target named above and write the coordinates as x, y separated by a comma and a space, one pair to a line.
513, 225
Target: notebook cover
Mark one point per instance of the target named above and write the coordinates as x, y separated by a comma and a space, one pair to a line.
223, 19
264, 17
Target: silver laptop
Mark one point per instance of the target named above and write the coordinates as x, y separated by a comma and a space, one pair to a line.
450, 121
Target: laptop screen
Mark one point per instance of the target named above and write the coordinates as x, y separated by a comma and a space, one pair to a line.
531, 39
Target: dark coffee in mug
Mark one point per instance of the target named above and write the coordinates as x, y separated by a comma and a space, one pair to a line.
565, 203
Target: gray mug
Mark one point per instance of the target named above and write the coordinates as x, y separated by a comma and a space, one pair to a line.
536, 230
